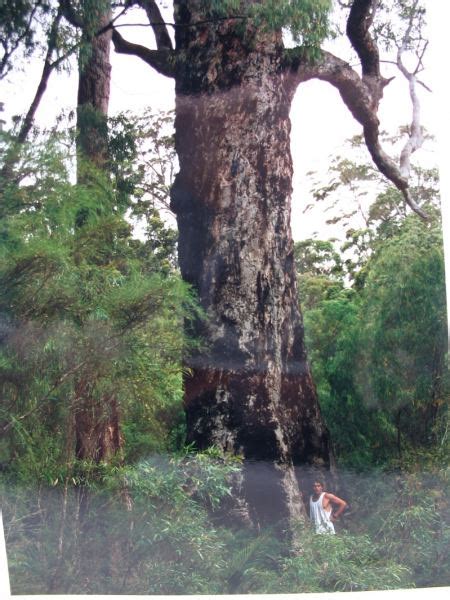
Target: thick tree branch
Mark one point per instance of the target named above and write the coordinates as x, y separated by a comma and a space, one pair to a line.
163, 41
161, 60
359, 21
357, 95
362, 95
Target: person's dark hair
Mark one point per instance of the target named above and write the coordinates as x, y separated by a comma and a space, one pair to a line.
319, 480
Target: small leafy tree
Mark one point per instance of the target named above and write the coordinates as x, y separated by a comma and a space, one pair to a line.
377, 335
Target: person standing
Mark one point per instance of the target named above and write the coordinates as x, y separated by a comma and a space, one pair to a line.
324, 508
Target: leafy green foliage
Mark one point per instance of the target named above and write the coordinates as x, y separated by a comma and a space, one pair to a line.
86, 303
166, 543
143, 164
18, 22
163, 543
307, 20
406, 329
343, 563
317, 257
375, 321
85, 300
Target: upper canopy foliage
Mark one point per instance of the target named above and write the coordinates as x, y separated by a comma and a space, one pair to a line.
307, 20
18, 24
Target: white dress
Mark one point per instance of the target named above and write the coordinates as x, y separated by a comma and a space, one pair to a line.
319, 516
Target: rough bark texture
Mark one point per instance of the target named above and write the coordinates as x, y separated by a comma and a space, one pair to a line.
97, 425
250, 390
93, 97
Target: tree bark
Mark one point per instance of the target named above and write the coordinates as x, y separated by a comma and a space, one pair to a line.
93, 97
97, 424
249, 391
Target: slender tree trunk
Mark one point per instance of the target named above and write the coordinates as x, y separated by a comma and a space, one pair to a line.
250, 391
13, 155
93, 98
97, 423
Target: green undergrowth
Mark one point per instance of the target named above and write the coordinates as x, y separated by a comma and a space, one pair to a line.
154, 528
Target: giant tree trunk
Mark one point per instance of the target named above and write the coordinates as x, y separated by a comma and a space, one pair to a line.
250, 390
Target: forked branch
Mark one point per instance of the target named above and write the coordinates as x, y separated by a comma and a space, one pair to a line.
161, 60
162, 37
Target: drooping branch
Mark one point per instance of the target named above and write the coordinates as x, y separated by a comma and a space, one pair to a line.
163, 41
161, 60
360, 19
357, 96
363, 94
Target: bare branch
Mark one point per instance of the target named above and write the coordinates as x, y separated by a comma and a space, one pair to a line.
420, 58
415, 139
65, 56
424, 85
163, 41
357, 96
161, 60
76, 20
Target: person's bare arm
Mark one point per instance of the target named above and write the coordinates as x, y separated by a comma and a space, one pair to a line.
336, 501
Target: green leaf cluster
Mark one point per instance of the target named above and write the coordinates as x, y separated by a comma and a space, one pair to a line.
307, 20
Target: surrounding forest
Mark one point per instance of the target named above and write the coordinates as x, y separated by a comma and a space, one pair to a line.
165, 406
